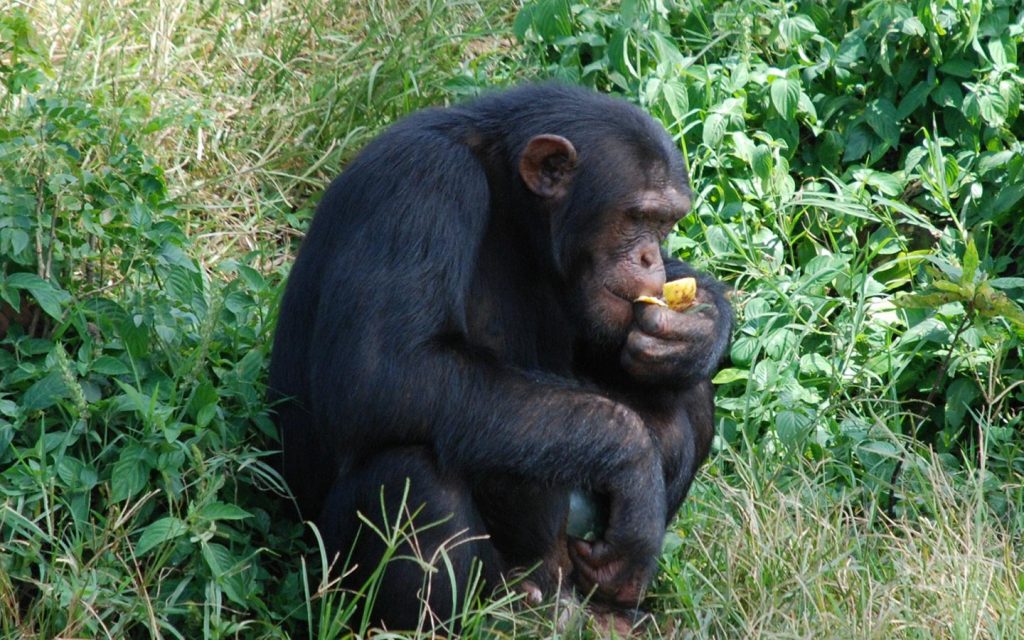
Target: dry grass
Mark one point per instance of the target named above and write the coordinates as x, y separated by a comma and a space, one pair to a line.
266, 101
758, 560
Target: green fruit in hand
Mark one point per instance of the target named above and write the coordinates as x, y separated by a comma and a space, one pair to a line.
588, 515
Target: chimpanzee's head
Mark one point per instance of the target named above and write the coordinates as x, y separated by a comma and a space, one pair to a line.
613, 191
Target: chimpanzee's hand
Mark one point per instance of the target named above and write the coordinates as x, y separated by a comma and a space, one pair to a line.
618, 568
673, 347
611, 575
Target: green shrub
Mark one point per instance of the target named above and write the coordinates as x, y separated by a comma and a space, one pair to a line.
860, 173
129, 388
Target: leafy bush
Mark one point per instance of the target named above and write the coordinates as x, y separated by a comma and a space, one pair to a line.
131, 382
860, 173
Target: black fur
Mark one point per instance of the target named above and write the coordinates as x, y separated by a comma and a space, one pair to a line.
430, 332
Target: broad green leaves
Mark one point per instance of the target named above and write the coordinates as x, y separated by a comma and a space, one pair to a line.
49, 298
970, 287
158, 533
785, 94
842, 157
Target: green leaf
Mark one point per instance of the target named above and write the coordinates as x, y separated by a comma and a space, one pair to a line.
792, 427
949, 94
963, 291
44, 393
1007, 283
110, 366
825, 267
971, 262
997, 53
914, 99
959, 396
913, 26
851, 50
743, 145
618, 44
129, 475
725, 376
882, 118
49, 297
159, 532
762, 162
743, 350
886, 183
765, 374
951, 169
780, 343
549, 20
10, 295
1007, 199
994, 161
785, 95
951, 271
141, 404
522, 22
858, 142
225, 567
929, 301
806, 107
676, 98
875, 452
223, 511
8, 408
1010, 91
995, 304
796, 30
971, 106
18, 238
993, 108
714, 130
959, 67
815, 364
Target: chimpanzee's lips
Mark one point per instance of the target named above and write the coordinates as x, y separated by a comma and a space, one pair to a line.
628, 299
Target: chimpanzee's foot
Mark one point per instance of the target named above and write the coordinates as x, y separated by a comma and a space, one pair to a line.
607, 621
614, 622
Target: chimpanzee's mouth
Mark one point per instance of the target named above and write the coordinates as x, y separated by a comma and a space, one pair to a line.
628, 299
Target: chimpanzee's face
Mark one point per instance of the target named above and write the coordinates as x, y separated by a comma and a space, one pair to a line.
609, 215
622, 260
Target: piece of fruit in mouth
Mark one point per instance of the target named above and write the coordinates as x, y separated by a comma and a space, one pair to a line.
678, 294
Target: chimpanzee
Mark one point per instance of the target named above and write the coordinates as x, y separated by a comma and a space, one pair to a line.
459, 329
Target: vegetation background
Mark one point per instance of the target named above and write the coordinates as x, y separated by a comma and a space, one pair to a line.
860, 179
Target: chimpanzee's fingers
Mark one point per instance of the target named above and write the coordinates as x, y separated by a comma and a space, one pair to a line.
644, 357
695, 325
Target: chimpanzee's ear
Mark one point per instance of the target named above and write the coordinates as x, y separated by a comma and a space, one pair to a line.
547, 165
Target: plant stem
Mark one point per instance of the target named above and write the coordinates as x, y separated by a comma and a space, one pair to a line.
939, 375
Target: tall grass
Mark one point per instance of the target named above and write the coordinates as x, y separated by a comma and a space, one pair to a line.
253, 107
756, 557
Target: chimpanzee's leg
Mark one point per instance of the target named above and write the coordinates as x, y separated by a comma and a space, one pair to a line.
527, 525
444, 520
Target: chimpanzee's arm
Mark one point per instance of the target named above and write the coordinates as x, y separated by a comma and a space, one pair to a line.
675, 396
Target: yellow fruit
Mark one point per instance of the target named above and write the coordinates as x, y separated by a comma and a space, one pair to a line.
679, 295
652, 300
